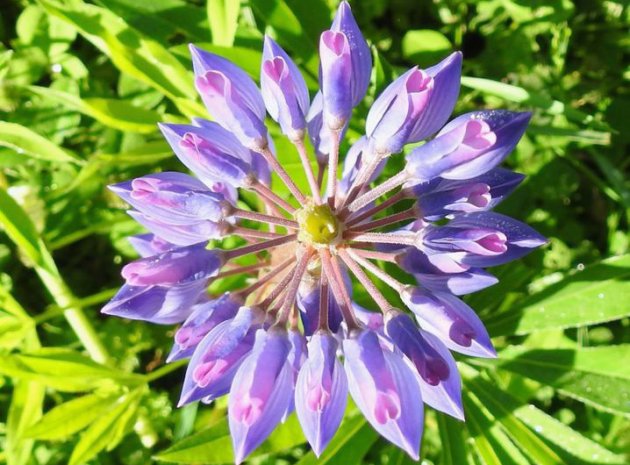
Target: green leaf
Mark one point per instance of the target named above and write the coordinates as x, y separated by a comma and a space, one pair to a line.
489, 439
117, 114
591, 375
425, 46
107, 431
352, 441
223, 19
595, 295
214, 445
25, 409
26, 141
63, 370
452, 438
132, 53
70, 417
544, 438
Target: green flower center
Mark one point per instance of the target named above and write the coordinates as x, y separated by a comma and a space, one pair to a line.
318, 225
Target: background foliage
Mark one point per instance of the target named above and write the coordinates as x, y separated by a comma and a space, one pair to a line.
81, 88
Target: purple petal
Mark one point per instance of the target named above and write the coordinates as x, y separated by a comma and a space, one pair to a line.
194, 233
468, 146
219, 354
486, 238
173, 198
231, 97
205, 316
177, 266
335, 78
284, 90
359, 51
385, 390
439, 379
308, 303
210, 152
321, 392
451, 320
482, 193
157, 304
261, 392
320, 135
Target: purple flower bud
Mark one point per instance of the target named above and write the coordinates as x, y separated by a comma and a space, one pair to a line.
210, 152
359, 51
369, 319
450, 319
217, 357
173, 198
385, 390
231, 97
483, 239
468, 146
308, 303
439, 379
345, 68
321, 392
284, 90
355, 158
181, 235
157, 304
177, 266
148, 244
205, 316
447, 198
261, 392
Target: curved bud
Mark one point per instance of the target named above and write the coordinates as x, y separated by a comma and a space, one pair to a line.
205, 316
360, 54
450, 319
284, 90
335, 78
321, 392
181, 235
231, 97
210, 152
163, 305
219, 354
439, 379
177, 266
468, 146
448, 198
261, 392
385, 390
171, 197
483, 239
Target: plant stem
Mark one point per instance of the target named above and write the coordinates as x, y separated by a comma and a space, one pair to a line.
299, 144
263, 218
281, 172
397, 197
363, 278
389, 185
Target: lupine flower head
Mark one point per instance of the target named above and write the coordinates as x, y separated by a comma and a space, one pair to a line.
293, 338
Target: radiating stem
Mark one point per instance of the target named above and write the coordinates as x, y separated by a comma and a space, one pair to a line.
321, 169
367, 283
275, 271
382, 238
268, 194
294, 285
252, 248
299, 144
241, 270
281, 172
253, 233
333, 164
323, 303
373, 194
397, 197
363, 176
339, 291
278, 289
375, 254
376, 271
409, 214
263, 218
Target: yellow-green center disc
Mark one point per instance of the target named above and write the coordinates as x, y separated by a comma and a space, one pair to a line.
318, 225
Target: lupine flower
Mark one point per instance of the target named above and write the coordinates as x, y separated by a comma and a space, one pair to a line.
292, 338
